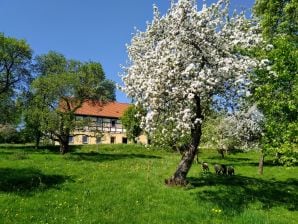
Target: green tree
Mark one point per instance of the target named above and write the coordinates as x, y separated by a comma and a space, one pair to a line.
56, 97
15, 59
45, 64
131, 120
276, 87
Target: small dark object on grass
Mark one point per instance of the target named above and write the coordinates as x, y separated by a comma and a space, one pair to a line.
205, 167
231, 171
220, 169
217, 169
223, 169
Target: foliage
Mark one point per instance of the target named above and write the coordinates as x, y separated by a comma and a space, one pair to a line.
9, 109
276, 88
11, 134
80, 187
182, 61
56, 97
51, 63
7, 133
278, 17
15, 58
131, 121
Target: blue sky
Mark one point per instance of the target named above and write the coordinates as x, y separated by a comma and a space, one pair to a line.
84, 30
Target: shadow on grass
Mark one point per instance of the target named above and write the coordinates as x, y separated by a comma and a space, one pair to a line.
234, 194
227, 157
243, 161
101, 157
27, 181
43, 149
30, 148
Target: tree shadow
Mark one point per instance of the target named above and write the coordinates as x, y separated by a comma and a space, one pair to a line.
101, 157
5, 153
30, 148
234, 194
28, 181
243, 161
227, 157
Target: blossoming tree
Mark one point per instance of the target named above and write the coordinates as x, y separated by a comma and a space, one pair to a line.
181, 62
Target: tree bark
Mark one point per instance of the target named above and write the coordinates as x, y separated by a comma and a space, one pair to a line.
64, 142
222, 153
179, 177
261, 164
37, 139
64, 147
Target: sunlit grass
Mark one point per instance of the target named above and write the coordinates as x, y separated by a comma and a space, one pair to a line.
125, 184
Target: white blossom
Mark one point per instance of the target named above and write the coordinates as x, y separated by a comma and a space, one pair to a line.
269, 47
184, 55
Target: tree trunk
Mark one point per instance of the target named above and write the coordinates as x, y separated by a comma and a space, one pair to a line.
64, 147
222, 153
261, 164
37, 139
179, 177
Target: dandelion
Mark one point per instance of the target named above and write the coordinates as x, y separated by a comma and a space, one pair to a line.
216, 210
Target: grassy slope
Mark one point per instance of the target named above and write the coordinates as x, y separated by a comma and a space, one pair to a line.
124, 184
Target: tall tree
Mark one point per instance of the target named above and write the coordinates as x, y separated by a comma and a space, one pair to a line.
276, 87
56, 97
45, 64
15, 58
181, 62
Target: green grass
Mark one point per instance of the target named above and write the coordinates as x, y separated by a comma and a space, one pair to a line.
125, 184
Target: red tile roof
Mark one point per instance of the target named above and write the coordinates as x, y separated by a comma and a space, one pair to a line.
111, 109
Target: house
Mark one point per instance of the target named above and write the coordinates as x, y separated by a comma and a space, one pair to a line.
103, 124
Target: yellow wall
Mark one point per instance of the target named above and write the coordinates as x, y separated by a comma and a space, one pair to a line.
105, 139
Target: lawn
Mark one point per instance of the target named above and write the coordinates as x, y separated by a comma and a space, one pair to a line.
125, 184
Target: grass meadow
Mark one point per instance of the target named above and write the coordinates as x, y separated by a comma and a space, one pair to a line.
125, 184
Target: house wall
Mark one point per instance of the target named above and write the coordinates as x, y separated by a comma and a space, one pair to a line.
107, 128
104, 139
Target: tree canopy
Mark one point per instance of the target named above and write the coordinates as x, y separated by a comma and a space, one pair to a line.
277, 17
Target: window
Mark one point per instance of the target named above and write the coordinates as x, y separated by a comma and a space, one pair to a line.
124, 140
113, 139
113, 123
85, 139
99, 120
70, 139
